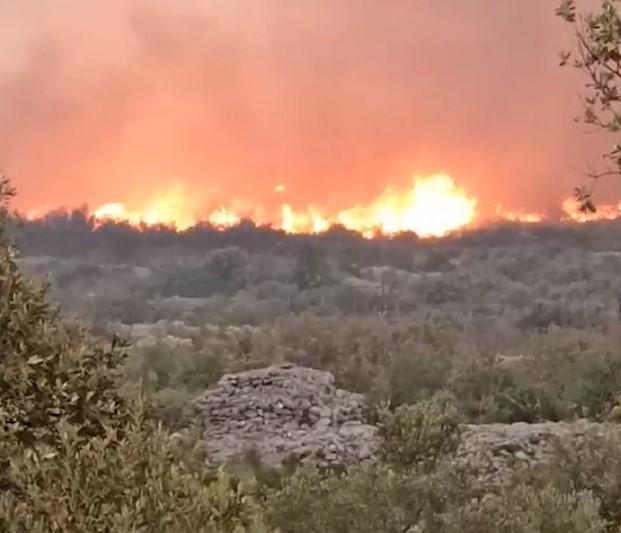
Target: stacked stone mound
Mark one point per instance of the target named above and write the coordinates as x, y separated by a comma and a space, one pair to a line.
497, 451
286, 412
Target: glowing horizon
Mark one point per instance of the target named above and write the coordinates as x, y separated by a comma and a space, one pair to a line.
432, 206
253, 111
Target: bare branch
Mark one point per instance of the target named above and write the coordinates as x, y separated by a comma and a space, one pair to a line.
604, 174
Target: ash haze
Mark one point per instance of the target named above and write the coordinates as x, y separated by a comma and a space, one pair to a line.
108, 101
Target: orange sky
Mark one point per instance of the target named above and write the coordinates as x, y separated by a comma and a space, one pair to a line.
110, 101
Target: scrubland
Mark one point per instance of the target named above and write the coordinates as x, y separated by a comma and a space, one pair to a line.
505, 324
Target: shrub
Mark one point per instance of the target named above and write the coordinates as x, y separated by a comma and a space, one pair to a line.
74, 455
415, 490
140, 481
525, 510
419, 435
592, 464
366, 499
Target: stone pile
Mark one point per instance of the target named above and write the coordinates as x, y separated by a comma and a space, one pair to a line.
286, 412
497, 451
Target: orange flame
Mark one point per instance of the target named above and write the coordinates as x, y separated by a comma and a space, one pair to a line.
432, 207
311, 221
519, 216
571, 209
223, 218
170, 207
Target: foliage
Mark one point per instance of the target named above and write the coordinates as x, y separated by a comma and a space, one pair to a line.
366, 499
410, 492
419, 435
222, 272
558, 374
591, 464
598, 54
50, 371
140, 481
74, 455
85, 445
309, 268
525, 510
376, 499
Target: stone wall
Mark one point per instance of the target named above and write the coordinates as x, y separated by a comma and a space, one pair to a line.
286, 410
497, 451
283, 411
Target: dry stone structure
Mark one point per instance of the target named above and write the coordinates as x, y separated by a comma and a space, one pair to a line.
288, 411
497, 451
284, 412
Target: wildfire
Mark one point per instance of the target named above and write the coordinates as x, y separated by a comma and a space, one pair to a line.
171, 207
223, 218
311, 221
519, 216
432, 207
571, 209
115, 212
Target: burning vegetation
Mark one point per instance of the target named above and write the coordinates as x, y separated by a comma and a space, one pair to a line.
434, 206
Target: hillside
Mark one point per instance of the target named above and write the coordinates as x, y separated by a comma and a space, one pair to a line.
347, 384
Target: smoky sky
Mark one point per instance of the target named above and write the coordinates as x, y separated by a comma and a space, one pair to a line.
108, 101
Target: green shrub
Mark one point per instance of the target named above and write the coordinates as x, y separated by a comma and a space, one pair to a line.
366, 499
419, 435
592, 463
525, 510
380, 499
75, 456
140, 481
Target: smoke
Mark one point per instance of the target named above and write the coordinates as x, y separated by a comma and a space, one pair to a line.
102, 103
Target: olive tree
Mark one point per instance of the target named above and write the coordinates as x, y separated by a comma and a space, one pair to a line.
597, 53
77, 456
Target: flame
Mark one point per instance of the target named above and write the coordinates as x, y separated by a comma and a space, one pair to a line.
35, 214
170, 207
519, 216
311, 221
571, 209
432, 207
223, 218
114, 212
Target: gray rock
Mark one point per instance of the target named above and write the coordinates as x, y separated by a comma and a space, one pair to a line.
308, 418
288, 411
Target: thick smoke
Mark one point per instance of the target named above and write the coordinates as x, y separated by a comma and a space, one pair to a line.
334, 99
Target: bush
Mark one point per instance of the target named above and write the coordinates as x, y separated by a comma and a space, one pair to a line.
419, 435
591, 464
140, 481
81, 451
366, 500
525, 510
74, 455
415, 490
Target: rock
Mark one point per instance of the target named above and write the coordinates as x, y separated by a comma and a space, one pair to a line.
522, 456
495, 450
309, 418
286, 411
